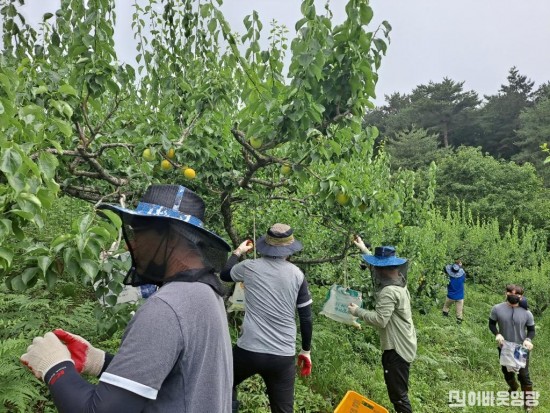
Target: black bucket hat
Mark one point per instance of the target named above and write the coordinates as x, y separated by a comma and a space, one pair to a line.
278, 242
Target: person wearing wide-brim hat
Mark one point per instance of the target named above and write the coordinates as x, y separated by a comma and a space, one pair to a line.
274, 290
176, 352
455, 289
392, 317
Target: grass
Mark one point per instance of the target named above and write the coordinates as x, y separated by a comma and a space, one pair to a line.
450, 357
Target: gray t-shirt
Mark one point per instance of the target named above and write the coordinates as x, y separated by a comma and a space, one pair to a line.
272, 287
176, 351
512, 321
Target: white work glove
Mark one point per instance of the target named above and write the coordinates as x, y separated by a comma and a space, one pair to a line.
527, 344
243, 248
499, 339
86, 358
304, 363
361, 245
44, 353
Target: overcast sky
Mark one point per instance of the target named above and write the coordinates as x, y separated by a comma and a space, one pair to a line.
475, 41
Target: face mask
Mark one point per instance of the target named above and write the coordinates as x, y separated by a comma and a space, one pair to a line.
512, 299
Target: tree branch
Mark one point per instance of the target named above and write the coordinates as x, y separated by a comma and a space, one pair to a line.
268, 184
109, 116
82, 192
187, 130
102, 171
227, 215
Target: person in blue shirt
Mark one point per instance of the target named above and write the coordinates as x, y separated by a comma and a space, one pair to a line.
455, 289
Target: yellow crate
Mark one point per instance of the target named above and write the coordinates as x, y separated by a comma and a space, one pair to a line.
353, 402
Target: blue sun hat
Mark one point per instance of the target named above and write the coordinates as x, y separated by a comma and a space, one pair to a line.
173, 202
454, 270
384, 257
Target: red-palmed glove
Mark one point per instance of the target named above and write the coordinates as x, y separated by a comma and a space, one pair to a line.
44, 353
87, 359
304, 363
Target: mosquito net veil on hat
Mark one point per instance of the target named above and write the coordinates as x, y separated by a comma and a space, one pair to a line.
169, 212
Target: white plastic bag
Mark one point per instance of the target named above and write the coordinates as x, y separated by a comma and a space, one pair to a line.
237, 299
513, 356
127, 294
336, 304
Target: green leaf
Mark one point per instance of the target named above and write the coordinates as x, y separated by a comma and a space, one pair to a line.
83, 224
60, 240
10, 162
212, 24
113, 217
67, 89
380, 45
31, 198
44, 263
29, 274
51, 279
48, 164
17, 284
63, 126
111, 300
102, 232
90, 268
365, 13
40, 90
67, 110
300, 23
6, 255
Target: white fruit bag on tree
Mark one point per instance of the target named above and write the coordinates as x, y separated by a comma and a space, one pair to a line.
336, 304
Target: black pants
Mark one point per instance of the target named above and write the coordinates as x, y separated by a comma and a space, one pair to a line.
523, 374
278, 373
396, 376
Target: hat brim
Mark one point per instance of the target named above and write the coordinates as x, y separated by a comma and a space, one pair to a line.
156, 211
453, 273
277, 251
383, 262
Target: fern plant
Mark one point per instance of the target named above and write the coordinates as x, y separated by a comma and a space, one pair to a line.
23, 317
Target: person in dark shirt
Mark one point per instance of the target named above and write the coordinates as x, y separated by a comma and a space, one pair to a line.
514, 324
175, 354
275, 289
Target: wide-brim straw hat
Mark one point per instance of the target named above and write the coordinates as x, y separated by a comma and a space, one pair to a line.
278, 242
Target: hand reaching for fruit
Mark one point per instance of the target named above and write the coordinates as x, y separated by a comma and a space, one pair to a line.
244, 248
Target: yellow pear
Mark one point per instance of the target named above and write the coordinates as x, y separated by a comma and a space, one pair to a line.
189, 173
342, 198
148, 155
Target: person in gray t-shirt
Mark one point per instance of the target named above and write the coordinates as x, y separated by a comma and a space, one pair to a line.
274, 290
511, 322
175, 355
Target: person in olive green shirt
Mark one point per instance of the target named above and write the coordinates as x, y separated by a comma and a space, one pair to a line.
392, 318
